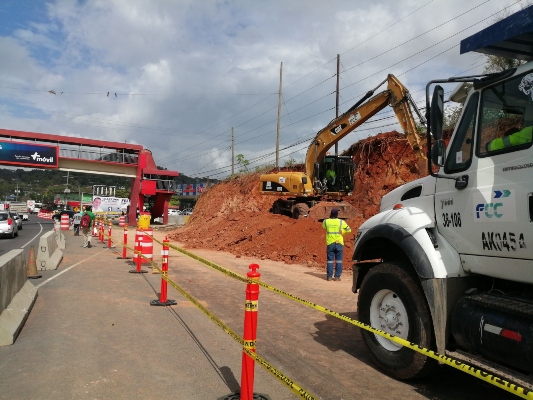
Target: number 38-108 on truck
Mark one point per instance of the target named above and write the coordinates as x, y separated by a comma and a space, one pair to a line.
447, 263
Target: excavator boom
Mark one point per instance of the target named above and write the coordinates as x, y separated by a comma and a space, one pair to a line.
396, 95
308, 190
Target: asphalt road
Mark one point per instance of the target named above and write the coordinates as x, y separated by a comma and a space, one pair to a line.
93, 335
29, 235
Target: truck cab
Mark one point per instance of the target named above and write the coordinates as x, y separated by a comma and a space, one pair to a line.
447, 263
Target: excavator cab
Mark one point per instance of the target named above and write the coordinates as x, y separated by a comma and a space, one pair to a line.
335, 175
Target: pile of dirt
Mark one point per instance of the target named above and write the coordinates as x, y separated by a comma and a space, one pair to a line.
234, 217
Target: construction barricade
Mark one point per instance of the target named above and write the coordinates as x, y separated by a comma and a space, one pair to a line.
144, 238
65, 222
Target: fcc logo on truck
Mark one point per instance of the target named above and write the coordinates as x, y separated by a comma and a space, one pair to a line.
495, 206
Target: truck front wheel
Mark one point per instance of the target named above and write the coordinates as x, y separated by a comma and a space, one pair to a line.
391, 300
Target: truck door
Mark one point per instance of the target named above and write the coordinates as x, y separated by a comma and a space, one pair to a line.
489, 221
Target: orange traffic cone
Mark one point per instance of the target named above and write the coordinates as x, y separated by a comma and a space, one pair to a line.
31, 270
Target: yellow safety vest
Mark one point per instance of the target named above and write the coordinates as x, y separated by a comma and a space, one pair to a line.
335, 228
520, 137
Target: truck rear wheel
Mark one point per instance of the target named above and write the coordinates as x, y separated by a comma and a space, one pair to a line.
391, 300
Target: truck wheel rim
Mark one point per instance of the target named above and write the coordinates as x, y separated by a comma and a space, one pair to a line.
388, 313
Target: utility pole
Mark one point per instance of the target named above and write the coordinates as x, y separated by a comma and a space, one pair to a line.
66, 191
279, 114
232, 153
337, 100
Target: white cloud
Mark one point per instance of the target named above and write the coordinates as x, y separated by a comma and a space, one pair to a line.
186, 72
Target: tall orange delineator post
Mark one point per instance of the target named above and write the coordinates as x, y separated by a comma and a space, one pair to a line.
102, 228
109, 235
125, 245
250, 332
163, 301
138, 270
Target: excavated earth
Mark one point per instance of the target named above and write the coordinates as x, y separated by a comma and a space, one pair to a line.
234, 217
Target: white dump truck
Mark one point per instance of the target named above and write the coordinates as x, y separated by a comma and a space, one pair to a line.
447, 263
20, 208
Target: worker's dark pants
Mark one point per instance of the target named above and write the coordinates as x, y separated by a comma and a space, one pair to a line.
334, 252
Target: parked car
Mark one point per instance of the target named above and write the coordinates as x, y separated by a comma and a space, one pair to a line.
8, 226
174, 212
17, 218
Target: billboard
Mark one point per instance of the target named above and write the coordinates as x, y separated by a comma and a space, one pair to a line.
109, 204
28, 155
190, 189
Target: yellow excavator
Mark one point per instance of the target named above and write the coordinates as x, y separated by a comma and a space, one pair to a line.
318, 190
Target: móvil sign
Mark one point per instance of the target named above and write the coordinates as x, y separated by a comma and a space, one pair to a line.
28, 155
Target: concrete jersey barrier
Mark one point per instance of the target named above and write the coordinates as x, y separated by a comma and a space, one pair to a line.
49, 254
17, 295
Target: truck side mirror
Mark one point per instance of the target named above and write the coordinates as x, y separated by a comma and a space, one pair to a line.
438, 153
437, 112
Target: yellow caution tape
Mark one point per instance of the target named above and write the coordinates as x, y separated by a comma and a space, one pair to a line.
248, 346
476, 372
295, 388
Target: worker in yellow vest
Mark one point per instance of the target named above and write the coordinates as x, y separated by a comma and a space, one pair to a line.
335, 228
513, 139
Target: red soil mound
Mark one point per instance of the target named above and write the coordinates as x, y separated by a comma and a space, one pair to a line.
232, 216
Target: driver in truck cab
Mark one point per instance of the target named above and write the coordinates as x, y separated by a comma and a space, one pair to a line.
512, 137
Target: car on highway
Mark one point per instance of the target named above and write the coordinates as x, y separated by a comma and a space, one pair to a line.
17, 218
8, 226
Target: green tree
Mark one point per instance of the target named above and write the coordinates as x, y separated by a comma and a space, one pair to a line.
290, 162
242, 163
174, 201
122, 193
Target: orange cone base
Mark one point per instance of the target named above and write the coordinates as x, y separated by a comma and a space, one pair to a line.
134, 271
35, 277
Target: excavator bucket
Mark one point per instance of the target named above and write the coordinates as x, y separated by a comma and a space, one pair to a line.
322, 210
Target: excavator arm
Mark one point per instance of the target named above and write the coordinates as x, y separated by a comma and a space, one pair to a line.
303, 194
396, 95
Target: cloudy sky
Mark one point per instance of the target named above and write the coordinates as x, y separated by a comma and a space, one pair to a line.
182, 73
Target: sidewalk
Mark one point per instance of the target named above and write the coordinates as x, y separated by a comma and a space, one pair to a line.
92, 334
